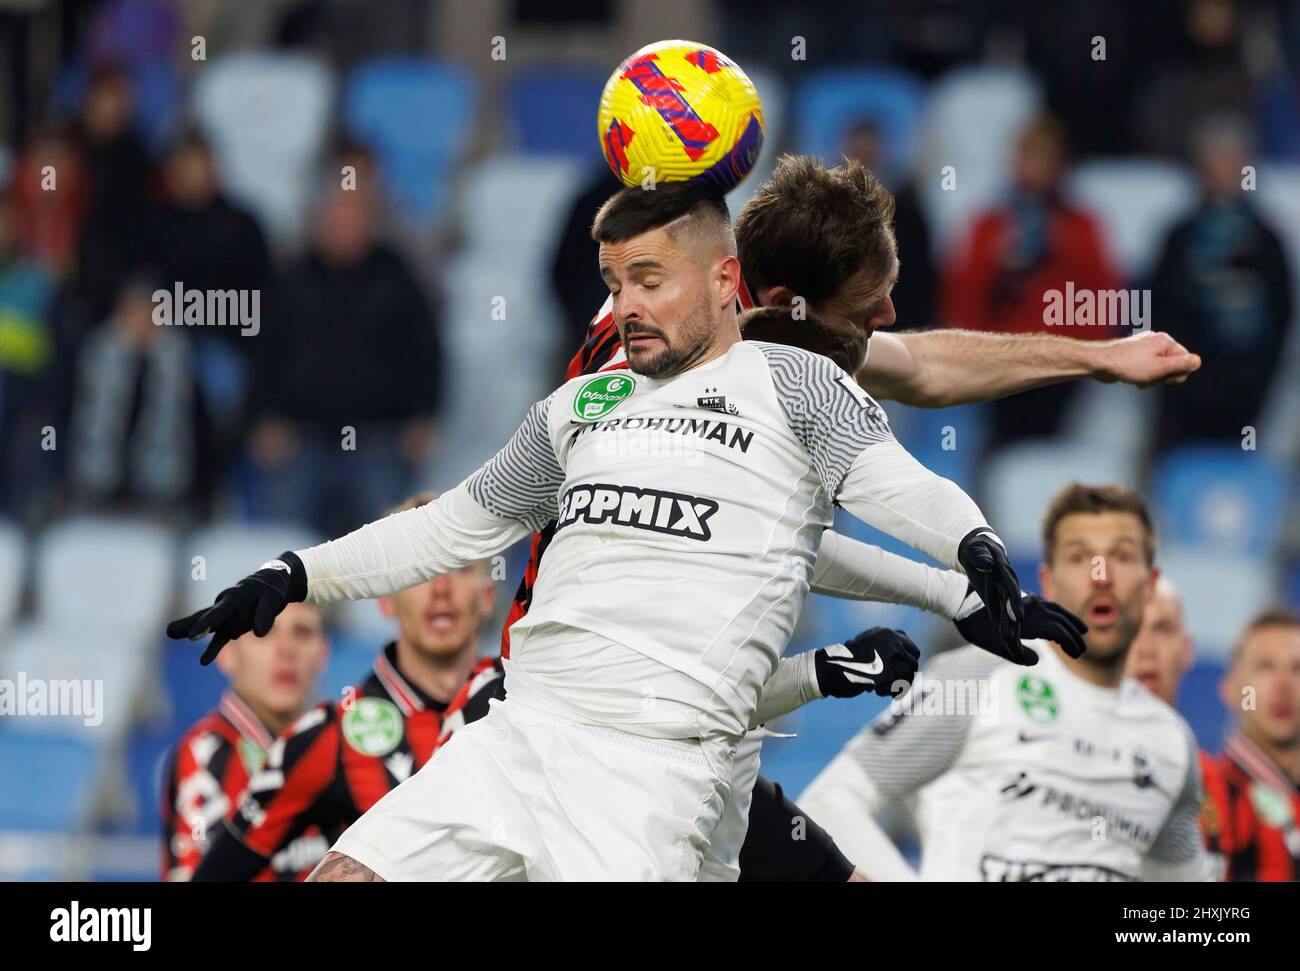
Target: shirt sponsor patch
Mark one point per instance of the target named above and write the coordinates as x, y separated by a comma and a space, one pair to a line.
673, 513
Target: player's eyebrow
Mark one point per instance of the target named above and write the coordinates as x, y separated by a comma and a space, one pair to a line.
636, 266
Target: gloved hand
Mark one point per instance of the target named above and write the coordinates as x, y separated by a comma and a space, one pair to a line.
879, 660
984, 560
251, 604
1043, 618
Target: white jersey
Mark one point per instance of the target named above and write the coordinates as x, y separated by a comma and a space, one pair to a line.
1021, 774
689, 513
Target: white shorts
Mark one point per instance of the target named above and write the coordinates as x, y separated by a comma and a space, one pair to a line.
522, 794
722, 858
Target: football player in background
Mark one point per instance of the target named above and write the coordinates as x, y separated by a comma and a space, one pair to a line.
272, 682
1069, 771
1161, 655
1261, 759
335, 762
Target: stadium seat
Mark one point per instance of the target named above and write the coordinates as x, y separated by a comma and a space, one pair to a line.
350, 662
947, 441
829, 102
192, 690
268, 116
231, 551
970, 122
1021, 479
552, 109
1220, 498
90, 568
58, 782
513, 207
1198, 702
97, 676
418, 116
1221, 592
1137, 201
12, 568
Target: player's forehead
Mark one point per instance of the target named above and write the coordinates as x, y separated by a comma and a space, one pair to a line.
1274, 643
654, 249
1099, 530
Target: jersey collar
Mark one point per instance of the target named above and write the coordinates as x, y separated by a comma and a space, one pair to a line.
1256, 764
236, 711
407, 697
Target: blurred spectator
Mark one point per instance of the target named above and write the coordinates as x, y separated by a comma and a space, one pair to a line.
1211, 77
50, 198
1261, 759
1222, 287
914, 293
29, 352
1015, 256
136, 424
351, 343
115, 237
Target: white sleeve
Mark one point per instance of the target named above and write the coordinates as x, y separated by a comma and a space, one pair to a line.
893, 757
1178, 852
791, 686
510, 496
859, 462
855, 570
845, 803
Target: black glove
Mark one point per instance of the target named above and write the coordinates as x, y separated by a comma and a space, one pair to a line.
1043, 619
251, 604
879, 660
984, 559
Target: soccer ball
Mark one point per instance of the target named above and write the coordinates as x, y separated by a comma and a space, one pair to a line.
677, 111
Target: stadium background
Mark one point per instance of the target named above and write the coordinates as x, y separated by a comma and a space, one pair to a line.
477, 120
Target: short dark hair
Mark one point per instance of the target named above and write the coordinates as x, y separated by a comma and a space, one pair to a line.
812, 228
632, 211
1272, 617
1079, 498
843, 345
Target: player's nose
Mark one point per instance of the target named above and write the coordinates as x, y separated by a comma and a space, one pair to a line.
885, 316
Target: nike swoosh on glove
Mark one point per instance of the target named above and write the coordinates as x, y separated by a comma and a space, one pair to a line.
1043, 619
879, 660
983, 558
252, 604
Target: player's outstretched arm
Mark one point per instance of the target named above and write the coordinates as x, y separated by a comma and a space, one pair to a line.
511, 495
939, 368
854, 570
879, 660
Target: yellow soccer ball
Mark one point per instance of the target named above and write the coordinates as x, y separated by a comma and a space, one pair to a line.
676, 111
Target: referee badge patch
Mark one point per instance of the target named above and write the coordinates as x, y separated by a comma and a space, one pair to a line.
373, 726
599, 396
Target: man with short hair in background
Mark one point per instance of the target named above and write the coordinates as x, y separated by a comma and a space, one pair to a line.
1261, 759
272, 682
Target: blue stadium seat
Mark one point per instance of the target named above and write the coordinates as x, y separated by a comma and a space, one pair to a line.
552, 111
12, 573
831, 101
350, 663
58, 781
192, 689
1198, 702
418, 116
1221, 592
1220, 497
947, 441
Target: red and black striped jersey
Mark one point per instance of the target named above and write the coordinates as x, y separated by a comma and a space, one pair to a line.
1218, 840
338, 760
601, 350
206, 773
1260, 809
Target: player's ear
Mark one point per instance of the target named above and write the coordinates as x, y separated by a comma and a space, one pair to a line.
728, 279
777, 296
387, 607
1045, 581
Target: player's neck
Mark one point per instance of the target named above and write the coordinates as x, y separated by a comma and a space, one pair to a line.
1102, 675
438, 677
273, 723
1286, 756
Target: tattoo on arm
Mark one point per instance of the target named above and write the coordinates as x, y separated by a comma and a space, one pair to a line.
337, 868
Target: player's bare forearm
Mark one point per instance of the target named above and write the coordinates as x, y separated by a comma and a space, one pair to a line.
337, 868
937, 369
